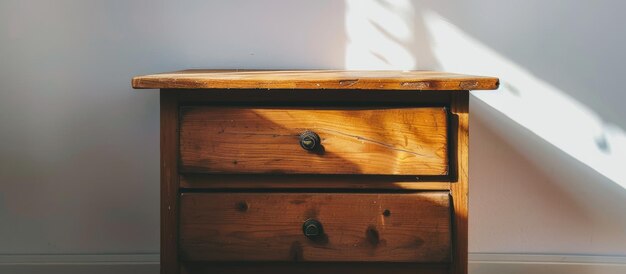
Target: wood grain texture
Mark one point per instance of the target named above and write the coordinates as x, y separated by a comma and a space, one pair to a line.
398, 141
314, 79
169, 183
460, 188
314, 268
309, 182
268, 227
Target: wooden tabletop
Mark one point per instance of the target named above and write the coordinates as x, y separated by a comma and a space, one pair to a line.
314, 79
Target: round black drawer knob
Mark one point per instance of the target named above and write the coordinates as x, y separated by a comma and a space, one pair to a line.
310, 141
312, 229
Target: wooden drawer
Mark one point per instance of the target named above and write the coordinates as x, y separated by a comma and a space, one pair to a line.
356, 227
384, 141
316, 268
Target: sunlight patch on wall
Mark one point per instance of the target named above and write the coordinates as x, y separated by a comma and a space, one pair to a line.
377, 32
534, 104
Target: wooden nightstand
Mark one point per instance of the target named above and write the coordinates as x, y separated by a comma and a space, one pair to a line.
314, 171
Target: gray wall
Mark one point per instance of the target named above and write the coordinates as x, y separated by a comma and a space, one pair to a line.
79, 148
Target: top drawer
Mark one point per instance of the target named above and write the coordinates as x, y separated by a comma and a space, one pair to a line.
383, 141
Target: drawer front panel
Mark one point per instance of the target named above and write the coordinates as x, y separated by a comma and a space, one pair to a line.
384, 141
316, 268
356, 227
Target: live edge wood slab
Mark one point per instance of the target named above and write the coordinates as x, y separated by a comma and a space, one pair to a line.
314, 171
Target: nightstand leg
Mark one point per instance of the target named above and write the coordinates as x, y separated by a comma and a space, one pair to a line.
459, 189
169, 183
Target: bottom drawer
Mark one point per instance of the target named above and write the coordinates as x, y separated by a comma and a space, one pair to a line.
314, 268
322, 227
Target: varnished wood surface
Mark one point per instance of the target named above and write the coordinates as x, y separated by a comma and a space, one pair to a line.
268, 227
398, 141
314, 79
309, 182
314, 268
169, 183
459, 188
172, 179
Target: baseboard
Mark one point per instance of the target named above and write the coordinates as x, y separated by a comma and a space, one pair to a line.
79, 263
490, 263
480, 263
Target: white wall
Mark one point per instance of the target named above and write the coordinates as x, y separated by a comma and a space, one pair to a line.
79, 148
